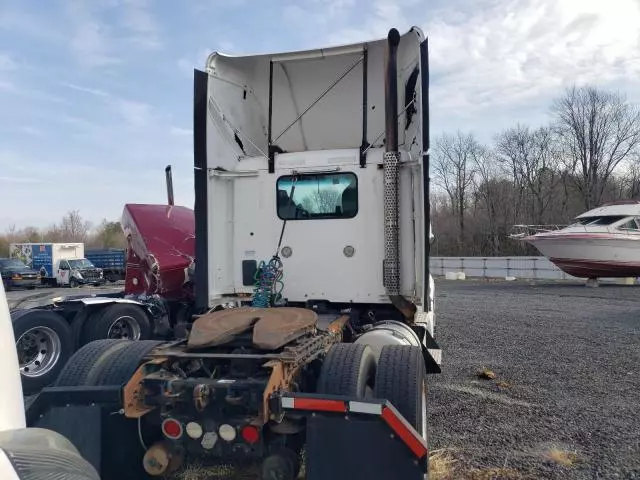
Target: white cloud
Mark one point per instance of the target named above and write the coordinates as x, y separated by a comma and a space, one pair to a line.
30, 130
91, 44
92, 91
135, 114
504, 55
496, 56
7, 63
181, 132
138, 19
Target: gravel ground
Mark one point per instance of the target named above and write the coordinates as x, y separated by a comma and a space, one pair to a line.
564, 400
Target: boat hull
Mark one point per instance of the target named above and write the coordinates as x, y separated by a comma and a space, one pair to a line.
591, 256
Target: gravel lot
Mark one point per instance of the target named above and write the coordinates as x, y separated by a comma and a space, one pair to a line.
569, 358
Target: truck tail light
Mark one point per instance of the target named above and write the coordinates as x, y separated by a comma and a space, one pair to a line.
250, 434
172, 429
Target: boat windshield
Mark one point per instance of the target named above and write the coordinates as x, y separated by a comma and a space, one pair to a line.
604, 220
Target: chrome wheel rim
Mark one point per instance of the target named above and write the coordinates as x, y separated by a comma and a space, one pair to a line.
38, 351
125, 328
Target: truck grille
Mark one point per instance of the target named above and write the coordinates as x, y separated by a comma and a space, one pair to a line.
90, 274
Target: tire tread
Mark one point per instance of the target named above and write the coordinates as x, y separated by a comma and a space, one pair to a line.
399, 379
341, 369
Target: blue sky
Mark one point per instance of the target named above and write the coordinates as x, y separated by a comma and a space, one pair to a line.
96, 94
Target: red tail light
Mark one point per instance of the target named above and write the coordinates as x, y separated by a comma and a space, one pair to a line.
172, 428
250, 434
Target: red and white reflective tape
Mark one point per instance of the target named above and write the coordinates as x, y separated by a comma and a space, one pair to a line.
386, 411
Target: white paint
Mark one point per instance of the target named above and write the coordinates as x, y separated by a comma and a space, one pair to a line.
12, 415
243, 224
7, 472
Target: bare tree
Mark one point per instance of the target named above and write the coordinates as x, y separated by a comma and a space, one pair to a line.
74, 228
454, 172
487, 174
598, 130
321, 201
532, 157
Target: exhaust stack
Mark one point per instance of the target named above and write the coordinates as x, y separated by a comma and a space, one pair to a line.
391, 278
167, 172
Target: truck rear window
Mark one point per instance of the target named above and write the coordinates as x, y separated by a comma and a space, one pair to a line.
317, 196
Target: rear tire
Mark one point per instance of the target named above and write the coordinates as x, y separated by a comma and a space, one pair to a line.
109, 363
44, 342
348, 369
77, 369
117, 321
118, 367
402, 380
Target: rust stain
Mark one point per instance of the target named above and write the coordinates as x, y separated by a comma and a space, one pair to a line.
133, 394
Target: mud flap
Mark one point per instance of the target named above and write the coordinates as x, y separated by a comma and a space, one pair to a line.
350, 440
79, 414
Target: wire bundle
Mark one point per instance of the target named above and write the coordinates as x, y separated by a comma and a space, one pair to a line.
269, 285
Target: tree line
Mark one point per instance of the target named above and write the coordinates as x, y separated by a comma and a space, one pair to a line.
71, 228
587, 155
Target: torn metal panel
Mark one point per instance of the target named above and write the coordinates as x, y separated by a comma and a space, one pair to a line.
161, 250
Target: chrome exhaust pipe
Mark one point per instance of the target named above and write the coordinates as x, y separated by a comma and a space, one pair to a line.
167, 172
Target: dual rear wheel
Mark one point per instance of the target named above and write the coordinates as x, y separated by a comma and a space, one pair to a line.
45, 339
398, 375
352, 370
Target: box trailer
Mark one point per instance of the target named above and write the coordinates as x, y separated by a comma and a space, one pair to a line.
59, 264
112, 261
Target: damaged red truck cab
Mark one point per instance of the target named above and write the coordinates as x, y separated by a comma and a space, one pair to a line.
160, 250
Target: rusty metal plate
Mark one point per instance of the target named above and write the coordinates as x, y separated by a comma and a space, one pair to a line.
272, 327
218, 328
279, 326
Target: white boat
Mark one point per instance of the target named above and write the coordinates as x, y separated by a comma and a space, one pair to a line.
603, 242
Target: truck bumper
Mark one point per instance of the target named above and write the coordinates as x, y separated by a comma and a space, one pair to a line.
23, 283
346, 439
92, 281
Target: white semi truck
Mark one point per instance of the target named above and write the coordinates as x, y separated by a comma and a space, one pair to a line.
311, 329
